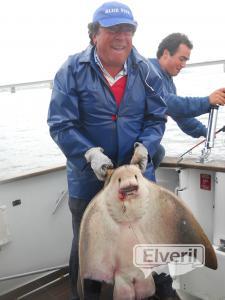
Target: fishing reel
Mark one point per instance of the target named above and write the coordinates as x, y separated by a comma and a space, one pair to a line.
211, 134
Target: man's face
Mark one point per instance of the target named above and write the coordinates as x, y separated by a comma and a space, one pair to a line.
174, 63
113, 45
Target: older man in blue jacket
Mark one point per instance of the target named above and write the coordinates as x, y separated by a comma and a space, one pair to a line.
103, 111
173, 53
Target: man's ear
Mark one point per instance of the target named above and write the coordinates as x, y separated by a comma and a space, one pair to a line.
94, 39
166, 53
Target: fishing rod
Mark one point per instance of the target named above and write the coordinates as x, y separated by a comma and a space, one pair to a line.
210, 137
222, 129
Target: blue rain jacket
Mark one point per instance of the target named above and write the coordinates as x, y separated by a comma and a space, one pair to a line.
82, 115
183, 109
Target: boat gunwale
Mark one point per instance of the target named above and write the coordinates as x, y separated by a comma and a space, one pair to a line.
168, 162
28, 174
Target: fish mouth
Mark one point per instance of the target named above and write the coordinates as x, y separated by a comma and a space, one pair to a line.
128, 191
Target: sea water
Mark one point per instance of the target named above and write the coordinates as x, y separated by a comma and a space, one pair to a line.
26, 146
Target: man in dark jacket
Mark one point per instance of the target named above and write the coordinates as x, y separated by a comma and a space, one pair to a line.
172, 55
104, 112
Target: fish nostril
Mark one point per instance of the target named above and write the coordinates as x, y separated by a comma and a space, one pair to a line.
135, 176
119, 180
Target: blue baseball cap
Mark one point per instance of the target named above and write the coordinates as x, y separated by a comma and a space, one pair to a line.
114, 13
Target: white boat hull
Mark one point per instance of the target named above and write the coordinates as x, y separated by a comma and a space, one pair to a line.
37, 231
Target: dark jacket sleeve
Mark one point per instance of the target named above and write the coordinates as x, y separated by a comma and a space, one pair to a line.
64, 119
191, 126
186, 107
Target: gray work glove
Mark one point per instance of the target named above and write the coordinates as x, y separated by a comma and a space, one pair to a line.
99, 162
140, 156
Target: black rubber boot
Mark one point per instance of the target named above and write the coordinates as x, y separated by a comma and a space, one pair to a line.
164, 289
92, 289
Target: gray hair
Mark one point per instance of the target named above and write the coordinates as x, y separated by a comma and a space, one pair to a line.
93, 29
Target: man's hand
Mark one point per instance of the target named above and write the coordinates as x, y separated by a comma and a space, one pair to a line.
99, 162
140, 156
217, 97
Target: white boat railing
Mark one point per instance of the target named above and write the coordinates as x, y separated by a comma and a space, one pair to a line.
207, 63
12, 88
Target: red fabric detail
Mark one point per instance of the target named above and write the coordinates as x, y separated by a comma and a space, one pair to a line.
114, 117
118, 89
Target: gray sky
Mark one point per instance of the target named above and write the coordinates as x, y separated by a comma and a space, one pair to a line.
38, 35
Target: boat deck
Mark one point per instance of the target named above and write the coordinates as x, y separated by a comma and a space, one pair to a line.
51, 287
57, 289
